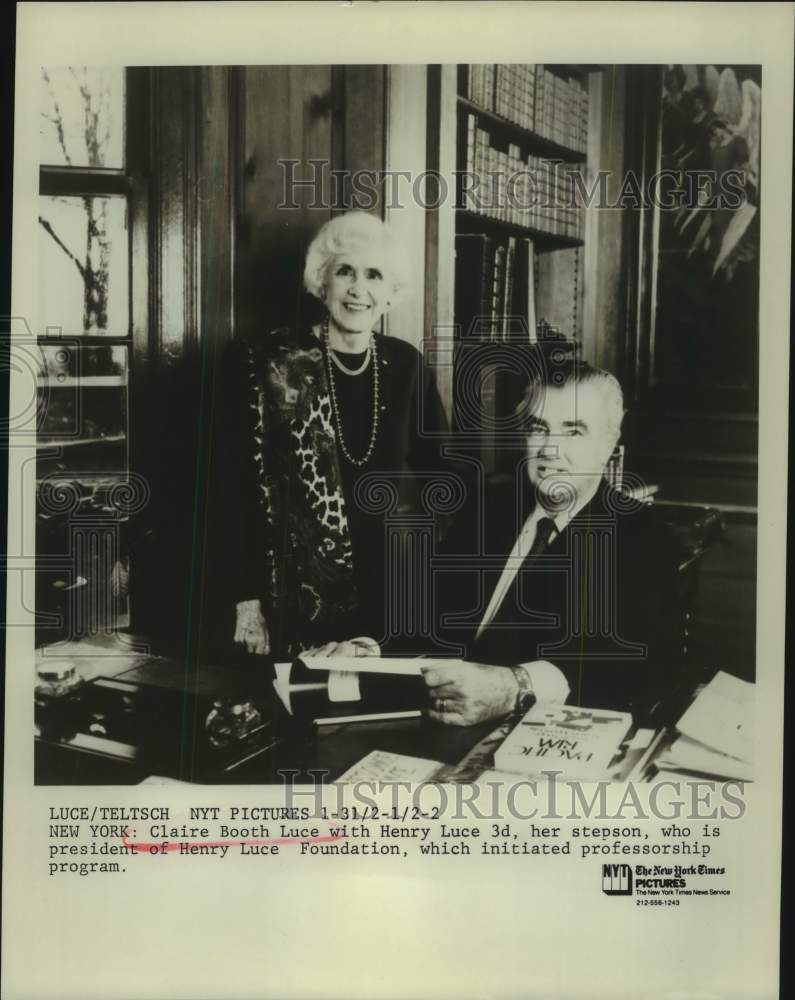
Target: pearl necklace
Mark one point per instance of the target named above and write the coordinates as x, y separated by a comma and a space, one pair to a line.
371, 350
350, 371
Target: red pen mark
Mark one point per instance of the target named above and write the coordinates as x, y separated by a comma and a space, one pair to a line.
139, 846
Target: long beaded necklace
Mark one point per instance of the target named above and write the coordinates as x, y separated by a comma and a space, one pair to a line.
372, 354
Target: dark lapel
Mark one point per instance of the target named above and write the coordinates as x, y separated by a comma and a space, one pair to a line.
506, 509
598, 506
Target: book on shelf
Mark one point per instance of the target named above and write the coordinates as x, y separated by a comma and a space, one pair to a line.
492, 170
529, 274
508, 302
474, 259
533, 97
533, 192
498, 292
481, 170
469, 199
578, 743
502, 90
512, 191
495, 288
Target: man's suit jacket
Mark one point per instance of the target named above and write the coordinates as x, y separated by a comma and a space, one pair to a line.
601, 602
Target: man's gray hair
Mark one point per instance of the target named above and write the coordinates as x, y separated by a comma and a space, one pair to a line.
580, 373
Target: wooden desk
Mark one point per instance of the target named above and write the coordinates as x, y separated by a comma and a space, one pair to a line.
141, 715
329, 751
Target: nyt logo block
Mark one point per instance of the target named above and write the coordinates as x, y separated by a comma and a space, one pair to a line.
616, 880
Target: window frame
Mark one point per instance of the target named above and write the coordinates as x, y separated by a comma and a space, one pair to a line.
132, 181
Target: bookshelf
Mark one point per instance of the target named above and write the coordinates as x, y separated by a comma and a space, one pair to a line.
473, 222
541, 145
520, 151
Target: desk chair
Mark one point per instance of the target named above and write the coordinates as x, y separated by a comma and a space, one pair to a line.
698, 529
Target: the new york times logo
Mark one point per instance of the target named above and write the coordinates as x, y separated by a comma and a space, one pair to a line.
616, 880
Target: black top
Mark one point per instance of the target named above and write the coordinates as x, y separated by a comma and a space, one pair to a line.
411, 425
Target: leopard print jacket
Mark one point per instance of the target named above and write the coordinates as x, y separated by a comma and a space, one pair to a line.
304, 542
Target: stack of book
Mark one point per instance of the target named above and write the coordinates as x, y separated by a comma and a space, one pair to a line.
533, 97
480, 84
576, 743
555, 209
515, 94
527, 191
495, 298
561, 110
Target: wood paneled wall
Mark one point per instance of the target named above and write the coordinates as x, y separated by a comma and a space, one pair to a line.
285, 114
296, 126
606, 261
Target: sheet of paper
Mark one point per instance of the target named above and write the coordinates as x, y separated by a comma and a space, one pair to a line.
500, 777
344, 686
281, 684
340, 720
379, 765
721, 716
158, 781
690, 755
410, 666
641, 739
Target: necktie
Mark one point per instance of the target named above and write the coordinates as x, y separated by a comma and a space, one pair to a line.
544, 530
507, 608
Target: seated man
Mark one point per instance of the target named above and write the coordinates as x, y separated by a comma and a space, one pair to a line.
574, 584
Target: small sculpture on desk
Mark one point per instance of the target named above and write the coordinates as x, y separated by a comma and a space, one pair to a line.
56, 679
56, 712
229, 723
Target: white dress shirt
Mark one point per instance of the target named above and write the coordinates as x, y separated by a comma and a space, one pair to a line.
547, 680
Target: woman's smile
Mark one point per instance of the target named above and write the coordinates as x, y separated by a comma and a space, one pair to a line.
356, 290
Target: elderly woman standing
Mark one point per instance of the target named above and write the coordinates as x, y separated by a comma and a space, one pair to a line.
327, 406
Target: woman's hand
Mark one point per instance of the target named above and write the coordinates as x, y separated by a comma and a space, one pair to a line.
251, 630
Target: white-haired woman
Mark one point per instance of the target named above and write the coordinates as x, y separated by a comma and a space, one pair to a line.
327, 406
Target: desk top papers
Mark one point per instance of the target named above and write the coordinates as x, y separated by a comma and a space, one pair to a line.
721, 716
577, 743
715, 733
380, 765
